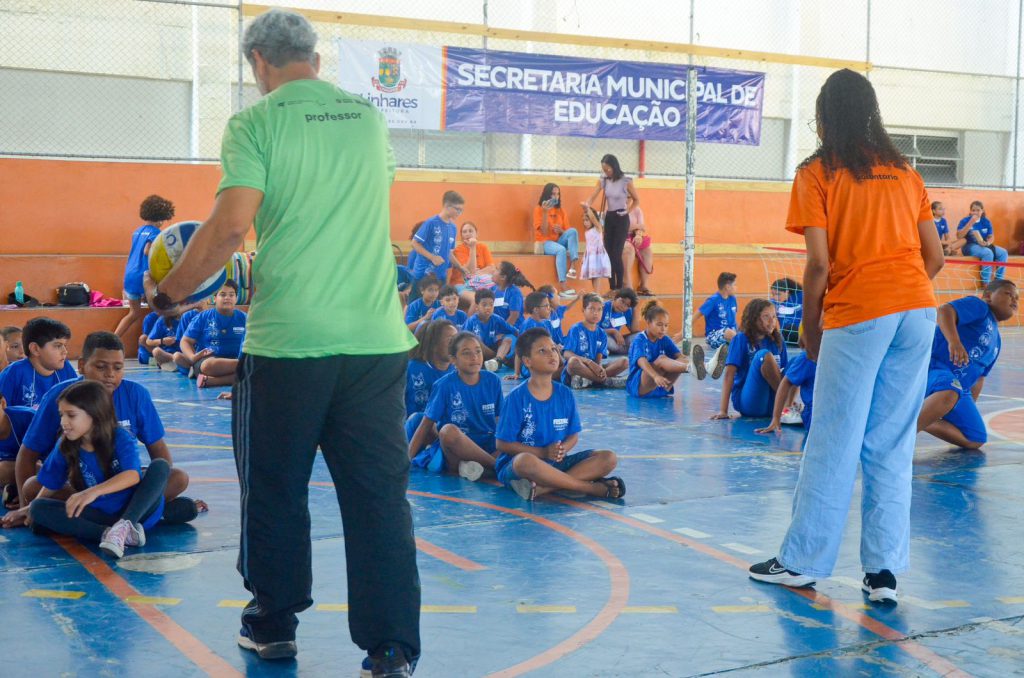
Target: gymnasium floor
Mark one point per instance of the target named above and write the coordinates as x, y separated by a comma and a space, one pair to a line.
651, 586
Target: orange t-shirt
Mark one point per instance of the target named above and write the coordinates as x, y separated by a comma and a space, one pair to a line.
461, 252
874, 248
556, 217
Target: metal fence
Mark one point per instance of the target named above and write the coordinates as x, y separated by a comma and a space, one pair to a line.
158, 79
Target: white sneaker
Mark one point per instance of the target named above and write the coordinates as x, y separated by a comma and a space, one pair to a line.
616, 382
492, 365
569, 293
571, 273
471, 470
577, 382
717, 364
526, 489
791, 416
136, 536
168, 367
115, 538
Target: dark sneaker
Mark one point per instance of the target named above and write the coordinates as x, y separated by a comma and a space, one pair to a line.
700, 370
366, 670
281, 649
771, 572
389, 662
880, 587
717, 365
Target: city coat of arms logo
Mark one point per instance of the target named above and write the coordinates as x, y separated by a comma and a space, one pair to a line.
389, 71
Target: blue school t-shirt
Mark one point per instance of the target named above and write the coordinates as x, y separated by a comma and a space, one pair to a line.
21, 420
741, 352
54, 474
537, 423
474, 409
719, 313
942, 226
138, 260
417, 309
790, 311
612, 319
490, 332
185, 322
983, 228
556, 324
508, 300
133, 407
437, 237
586, 343
223, 334
22, 386
979, 333
643, 347
545, 325
800, 372
420, 378
161, 331
458, 319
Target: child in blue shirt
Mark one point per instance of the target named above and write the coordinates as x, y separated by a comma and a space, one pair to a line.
155, 212
618, 317
185, 364
787, 295
14, 422
538, 314
420, 310
757, 358
540, 426
435, 239
464, 408
964, 351
449, 310
719, 311
653, 357
981, 242
15, 348
556, 320
496, 334
214, 338
951, 242
24, 383
428, 361
799, 376
508, 298
112, 502
584, 350
163, 341
144, 348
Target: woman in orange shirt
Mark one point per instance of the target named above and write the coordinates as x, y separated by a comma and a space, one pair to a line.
869, 320
560, 239
474, 259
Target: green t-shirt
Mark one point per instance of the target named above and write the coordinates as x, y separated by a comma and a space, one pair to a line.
324, 271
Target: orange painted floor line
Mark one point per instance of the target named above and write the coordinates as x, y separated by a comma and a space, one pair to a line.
190, 646
447, 556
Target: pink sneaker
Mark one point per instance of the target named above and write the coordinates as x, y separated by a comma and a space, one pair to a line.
201, 381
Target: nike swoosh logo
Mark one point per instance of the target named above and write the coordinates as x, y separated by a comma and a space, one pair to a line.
775, 569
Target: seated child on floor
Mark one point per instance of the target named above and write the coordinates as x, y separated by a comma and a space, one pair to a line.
145, 350
787, 295
617, 317
24, 383
757, 358
428, 361
585, 348
112, 502
420, 310
540, 426
449, 310
799, 377
964, 351
15, 349
163, 343
14, 422
214, 338
654, 366
558, 311
508, 298
719, 311
537, 307
496, 334
464, 408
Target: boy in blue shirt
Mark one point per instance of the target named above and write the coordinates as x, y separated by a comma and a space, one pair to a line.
964, 351
435, 239
185, 364
420, 310
618, 317
537, 308
951, 242
144, 348
540, 426
719, 311
155, 212
449, 310
496, 334
584, 350
213, 339
24, 383
14, 422
102, 361
558, 311
163, 342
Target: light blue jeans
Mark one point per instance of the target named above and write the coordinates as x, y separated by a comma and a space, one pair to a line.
973, 249
868, 392
568, 242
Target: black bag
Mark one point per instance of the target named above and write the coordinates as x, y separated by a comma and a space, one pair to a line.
30, 302
73, 294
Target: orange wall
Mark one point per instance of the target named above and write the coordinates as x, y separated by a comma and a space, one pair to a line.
66, 207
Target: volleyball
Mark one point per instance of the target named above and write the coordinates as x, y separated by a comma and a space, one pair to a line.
167, 250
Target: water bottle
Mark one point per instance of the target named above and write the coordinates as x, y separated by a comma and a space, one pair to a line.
19, 292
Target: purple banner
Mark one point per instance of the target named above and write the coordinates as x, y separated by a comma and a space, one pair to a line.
489, 91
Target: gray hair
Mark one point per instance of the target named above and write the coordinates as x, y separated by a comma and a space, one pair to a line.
281, 37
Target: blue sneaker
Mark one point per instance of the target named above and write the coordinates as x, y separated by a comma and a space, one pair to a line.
366, 670
281, 649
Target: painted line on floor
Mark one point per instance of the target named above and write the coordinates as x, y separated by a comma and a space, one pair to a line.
910, 600
650, 609
332, 607
197, 433
740, 609
47, 593
608, 505
448, 609
618, 579
185, 403
741, 548
723, 455
190, 646
546, 609
447, 556
855, 606
152, 600
689, 532
647, 518
1012, 600
233, 603
935, 662
994, 431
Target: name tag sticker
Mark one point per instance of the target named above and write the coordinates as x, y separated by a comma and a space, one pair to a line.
787, 310
619, 322
556, 323
500, 301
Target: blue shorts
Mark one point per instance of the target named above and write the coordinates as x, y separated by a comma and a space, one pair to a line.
633, 388
131, 296
506, 474
964, 415
754, 397
432, 458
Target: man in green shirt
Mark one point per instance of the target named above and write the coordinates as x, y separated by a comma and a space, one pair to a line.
325, 352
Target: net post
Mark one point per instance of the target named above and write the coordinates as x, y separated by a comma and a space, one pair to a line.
691, 194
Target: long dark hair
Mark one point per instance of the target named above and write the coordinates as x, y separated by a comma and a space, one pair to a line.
430, 335
613, 162
546, 193
513, 275
851, 124
749, 323
982, 206
93, 399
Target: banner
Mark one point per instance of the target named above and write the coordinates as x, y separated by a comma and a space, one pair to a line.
512, 92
